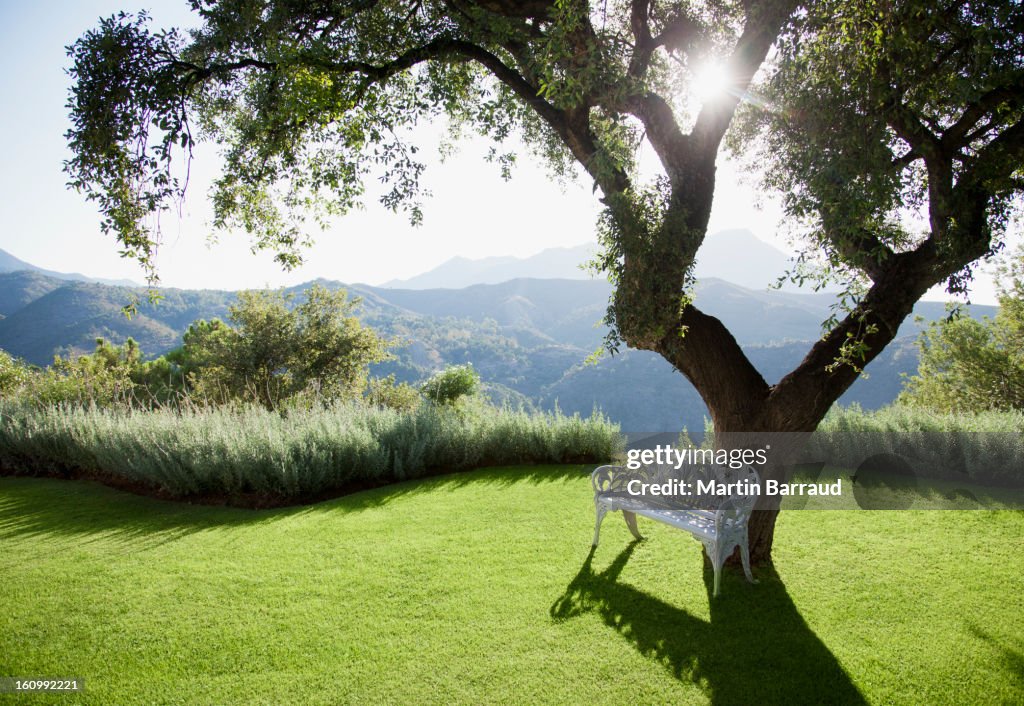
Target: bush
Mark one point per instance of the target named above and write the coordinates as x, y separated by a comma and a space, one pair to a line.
967, 365
450, 385
985, 447
104, 377
385, 392
233, 452
13, 375
274, 352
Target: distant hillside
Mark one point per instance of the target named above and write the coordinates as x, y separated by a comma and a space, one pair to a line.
570, 311
528, 338
563, 311
736, 256
459, 272
740, 257
22, 288
57, 316
9, 263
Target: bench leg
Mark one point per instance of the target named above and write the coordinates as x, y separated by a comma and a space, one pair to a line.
601, 510
630, 518
745, 557
715, 555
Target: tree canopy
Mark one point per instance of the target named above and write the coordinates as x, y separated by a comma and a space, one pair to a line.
275, 352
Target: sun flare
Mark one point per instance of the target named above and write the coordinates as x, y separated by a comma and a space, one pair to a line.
710, 81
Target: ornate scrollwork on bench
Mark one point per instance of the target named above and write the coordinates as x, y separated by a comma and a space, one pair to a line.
712, 503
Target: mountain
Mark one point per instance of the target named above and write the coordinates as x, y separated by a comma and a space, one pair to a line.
23, 287
570, 311
459, 272
552, 310
736, 256
44, 316
740, 257
9, 263
528, 338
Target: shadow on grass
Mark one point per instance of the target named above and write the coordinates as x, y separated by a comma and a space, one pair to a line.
55, 507
494, 476
45, 507
755, 649
1012, 659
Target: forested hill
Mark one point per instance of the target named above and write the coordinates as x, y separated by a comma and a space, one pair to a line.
527, 337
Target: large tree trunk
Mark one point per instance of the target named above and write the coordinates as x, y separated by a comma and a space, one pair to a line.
747, 412
761, 536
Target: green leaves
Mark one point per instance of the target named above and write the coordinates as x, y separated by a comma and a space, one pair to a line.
871, 133
450, 385
308, 103
127, 118
276, 353
969, 365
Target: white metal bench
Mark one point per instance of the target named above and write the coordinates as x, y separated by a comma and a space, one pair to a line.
719, 522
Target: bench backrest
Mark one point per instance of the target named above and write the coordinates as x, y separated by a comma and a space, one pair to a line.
700, 486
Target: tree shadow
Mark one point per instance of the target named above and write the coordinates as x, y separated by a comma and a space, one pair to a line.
36, 507
756, 647
88, 511
1012, 660
501, 477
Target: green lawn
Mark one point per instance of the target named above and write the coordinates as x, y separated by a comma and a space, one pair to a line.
479, 588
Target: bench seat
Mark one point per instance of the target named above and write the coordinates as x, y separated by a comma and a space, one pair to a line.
717, 522
694, 521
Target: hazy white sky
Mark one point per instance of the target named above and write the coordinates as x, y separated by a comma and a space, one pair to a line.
472, 213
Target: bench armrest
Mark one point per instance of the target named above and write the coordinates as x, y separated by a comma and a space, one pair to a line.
735, 510
612, 479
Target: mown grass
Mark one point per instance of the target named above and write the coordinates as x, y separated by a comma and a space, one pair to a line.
481, 588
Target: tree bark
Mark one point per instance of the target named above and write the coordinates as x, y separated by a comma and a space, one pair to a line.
761, 536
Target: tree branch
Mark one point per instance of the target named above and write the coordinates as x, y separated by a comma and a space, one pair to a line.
710, 357
953, 138
1005, 151
679, 34
801, 398
908, 125
644, 47
762, 26
668, 141
864, 251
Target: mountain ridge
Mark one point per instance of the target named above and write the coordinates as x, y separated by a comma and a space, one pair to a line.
528, 338
761, 265
10, 263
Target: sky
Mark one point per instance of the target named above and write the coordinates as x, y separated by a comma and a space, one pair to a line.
472, 212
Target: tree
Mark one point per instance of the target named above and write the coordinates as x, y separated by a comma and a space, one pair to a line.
968, 365
14, 373
102, 378
273, 352
452, 384
866, 108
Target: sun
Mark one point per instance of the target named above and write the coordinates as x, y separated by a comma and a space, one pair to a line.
711, 81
